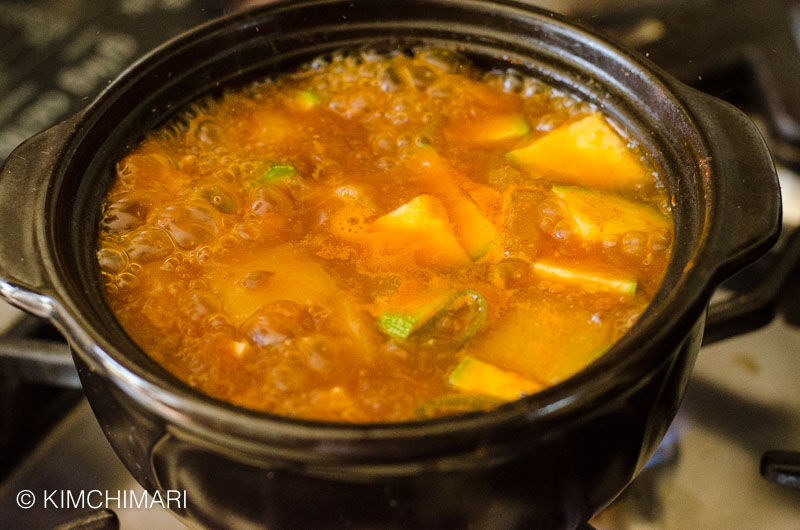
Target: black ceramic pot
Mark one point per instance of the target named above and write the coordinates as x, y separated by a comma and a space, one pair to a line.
551, 460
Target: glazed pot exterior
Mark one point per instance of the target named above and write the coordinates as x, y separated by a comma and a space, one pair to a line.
553, 478
551, 460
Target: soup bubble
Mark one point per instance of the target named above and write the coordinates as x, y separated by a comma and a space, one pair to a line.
422, 77
189, 224
124, 216
390, 80
220, 199
634, 242
511, 274
126, 280
209, 133
112, 259
149, 244
275, 322
446, 61
563, 229
660, 242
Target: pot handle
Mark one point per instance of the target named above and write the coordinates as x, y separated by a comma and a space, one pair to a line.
24, 181
749, 194
760, 286
749, 206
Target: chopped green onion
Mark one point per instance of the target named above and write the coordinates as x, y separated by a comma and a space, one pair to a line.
397, 325
467, 310
278, 172
308, 99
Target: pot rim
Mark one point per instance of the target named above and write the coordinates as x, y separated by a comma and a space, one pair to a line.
678, 305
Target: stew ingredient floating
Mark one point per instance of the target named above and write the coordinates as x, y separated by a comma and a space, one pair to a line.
383, 237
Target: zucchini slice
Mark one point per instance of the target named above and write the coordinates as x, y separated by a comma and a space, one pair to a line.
475, 376
422, 227
444, 324
496, 129
600, 215
400, 324
449, 405
593, 280
474, 231
587, 152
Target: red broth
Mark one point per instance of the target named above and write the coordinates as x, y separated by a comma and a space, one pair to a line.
383, 238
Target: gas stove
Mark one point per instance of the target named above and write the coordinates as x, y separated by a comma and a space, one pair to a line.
730, 458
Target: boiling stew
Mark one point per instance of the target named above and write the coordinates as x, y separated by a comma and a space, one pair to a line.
383, 237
